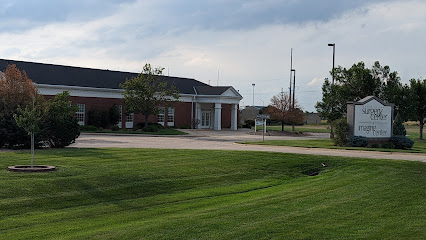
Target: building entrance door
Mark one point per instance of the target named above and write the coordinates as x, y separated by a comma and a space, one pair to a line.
205, 119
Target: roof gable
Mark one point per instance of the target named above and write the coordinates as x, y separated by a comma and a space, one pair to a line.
372, 99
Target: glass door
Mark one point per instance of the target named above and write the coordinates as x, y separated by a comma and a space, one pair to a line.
205, 119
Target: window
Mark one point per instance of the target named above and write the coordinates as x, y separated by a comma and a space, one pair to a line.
129, 117
161, 115
80, 114
129, 120
170, 116
120, 111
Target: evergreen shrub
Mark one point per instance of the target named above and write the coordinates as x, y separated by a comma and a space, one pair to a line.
402, 142
340, 127
358, 141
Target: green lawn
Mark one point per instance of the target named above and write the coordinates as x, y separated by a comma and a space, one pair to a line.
196, 194
418, 147
412, 133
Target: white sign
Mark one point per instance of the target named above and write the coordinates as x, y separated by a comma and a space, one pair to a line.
373, 120
263, 116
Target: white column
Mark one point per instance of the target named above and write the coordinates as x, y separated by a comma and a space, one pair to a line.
217, 116
234, 118
198, 114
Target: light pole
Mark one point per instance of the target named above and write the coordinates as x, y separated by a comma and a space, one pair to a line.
263, 103
332, 83
332, 70
253, 92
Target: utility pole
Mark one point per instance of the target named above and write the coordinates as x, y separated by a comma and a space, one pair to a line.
291, 69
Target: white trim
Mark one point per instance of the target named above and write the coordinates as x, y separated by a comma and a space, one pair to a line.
45, 89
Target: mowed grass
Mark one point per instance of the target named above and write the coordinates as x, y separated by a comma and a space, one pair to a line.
196, 194
412, 133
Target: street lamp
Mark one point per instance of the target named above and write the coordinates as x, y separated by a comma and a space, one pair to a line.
253, 93
332, 70
332, 83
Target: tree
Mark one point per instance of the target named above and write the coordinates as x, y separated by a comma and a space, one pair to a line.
113, 115
398, 126
16, 91
350, 84
59, 126
358, 82
29, 119
418, 103
281, 110
145, 92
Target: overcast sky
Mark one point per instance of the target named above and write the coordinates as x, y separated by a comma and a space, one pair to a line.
245, 41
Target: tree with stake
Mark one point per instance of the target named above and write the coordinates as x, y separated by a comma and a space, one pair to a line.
145, 92
29, 119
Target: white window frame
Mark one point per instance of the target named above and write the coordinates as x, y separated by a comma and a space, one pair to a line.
170, 116
120, 120
161, 116
80, 114
129, 120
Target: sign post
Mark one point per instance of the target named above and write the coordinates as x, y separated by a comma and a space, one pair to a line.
262, 118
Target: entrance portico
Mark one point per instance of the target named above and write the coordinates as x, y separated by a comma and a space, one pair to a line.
210, 105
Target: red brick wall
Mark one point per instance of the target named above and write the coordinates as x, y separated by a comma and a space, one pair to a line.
182, 110
226, 116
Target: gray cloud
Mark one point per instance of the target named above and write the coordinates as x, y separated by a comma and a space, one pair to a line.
178, 15
18, 15
243, 14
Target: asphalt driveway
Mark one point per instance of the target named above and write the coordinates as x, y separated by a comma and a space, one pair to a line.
226, 140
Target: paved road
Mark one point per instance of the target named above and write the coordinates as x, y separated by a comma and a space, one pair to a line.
226, 140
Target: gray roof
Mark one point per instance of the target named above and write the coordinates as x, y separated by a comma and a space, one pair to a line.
51, 74
209, 90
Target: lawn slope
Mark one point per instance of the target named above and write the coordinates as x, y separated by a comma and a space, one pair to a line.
181, 194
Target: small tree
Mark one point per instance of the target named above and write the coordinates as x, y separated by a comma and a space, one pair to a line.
398, 126
282, 111
29, 119
145, 92
340, 127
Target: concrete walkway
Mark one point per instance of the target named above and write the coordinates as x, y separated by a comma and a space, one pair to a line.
226, 140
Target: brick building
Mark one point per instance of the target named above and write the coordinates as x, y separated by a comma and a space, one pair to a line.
207, 106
